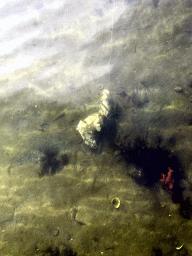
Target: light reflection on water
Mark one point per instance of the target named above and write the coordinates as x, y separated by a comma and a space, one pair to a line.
42, 40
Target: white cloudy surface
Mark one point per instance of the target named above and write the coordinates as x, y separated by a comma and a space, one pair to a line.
41, 43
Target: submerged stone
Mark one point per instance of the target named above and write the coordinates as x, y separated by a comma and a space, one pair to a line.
178, 89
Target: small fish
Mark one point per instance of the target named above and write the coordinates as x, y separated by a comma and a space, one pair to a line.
58, 117
44, 124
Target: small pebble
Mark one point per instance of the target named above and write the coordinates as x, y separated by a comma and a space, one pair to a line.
116, 202
186, 92
178, 89
73, 212
55, 231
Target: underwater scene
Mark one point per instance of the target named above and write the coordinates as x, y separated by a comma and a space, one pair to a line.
96, 128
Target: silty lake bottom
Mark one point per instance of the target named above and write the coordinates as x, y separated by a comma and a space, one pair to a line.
132, 195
